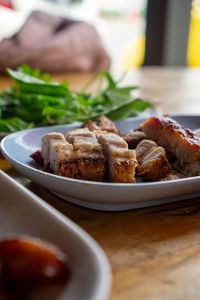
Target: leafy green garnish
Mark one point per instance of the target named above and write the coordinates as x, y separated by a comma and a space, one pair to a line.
36, 85
14, 124
37, 100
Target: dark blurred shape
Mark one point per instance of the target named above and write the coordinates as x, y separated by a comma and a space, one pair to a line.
54, 44
156, 19
167, 32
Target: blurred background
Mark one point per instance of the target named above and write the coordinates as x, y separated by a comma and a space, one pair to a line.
133, 33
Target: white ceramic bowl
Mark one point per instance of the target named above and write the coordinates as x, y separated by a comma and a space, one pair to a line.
23, 213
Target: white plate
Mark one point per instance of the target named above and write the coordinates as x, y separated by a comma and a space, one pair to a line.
21, 212
97, 195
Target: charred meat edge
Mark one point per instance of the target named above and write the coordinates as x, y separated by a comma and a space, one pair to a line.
182, 143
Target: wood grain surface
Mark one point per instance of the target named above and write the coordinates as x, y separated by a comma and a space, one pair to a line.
154, 252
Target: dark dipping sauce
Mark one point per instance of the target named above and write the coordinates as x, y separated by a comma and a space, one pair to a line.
27, 263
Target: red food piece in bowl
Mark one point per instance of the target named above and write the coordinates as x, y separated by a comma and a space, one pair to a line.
30, 262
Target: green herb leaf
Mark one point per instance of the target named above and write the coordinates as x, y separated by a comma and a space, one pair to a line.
129, 110
37, 100
14, 124
36, 85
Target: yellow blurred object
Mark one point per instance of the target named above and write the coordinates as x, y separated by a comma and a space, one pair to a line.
133, 56
193, 53
4, 165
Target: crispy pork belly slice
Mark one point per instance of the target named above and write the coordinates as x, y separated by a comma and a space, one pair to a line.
111, 138
152, 161
121, 161
133, 138
106, 124
72, 135
88, 153
182, 143
85, 143
90, 125
58, 155
61, 159
46, 138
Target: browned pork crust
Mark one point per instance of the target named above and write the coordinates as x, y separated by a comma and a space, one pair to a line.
121, 161
181, 142
152, 161
88, 154
58, 155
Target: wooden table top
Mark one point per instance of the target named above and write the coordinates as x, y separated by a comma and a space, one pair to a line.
154, 252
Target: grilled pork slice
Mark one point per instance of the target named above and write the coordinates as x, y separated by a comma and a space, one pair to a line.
106, 124
88, 153
121, 161
133, 138
90, 125
182, 143
58, 155
153, 164
46, 145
